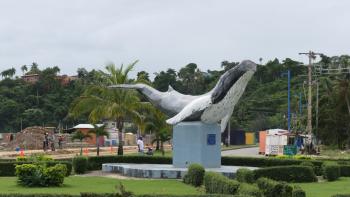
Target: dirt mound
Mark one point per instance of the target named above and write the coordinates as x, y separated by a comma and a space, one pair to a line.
30, 138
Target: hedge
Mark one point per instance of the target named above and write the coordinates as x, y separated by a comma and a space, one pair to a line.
80, 164
268, 162
245, 175
246, 189
287, 173
271, 188
95, 163
344, 170
8, 168
111, 195
215, 183
195, 175
331, 171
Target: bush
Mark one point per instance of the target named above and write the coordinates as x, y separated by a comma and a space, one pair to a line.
95, 163
66, 163
8, 168
271, 188
80, 164
287, 173
269, 162
38, 195
30, 175
344, 170
34, 158
298, 192
194, 175
245, 175
249, 190
54, 176
331, 171
219, 184
40, 175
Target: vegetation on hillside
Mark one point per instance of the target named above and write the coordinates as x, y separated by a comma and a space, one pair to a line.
263, 105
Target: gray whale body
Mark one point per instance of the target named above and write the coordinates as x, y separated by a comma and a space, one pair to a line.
215, 106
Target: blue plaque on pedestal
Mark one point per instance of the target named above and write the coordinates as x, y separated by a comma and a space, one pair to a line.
211, 139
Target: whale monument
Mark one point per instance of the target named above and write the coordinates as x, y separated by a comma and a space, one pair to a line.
196, 119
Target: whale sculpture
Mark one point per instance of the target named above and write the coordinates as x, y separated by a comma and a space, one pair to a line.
213, 107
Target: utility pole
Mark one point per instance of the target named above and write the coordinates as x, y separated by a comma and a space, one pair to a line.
311, 55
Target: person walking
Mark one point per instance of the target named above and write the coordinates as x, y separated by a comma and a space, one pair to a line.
140, 145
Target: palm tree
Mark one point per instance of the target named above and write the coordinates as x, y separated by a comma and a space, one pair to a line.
78, 135
162, 136
100, 102
156, 122
98, 131
24, 69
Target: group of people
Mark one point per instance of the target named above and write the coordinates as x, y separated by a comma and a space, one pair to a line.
141, 147
49, 141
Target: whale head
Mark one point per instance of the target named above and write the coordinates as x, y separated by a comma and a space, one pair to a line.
229, 78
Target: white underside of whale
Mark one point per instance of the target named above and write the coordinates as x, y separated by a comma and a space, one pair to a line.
215, 113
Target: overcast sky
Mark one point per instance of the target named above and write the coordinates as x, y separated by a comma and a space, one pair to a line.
164, 33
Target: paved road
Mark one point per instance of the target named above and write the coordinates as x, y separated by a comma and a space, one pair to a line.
249, 152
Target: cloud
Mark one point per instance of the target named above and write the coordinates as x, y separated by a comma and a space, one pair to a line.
164, 33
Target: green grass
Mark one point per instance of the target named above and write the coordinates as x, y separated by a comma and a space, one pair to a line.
326, 189
76, 184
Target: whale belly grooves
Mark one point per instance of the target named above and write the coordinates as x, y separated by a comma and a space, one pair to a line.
216, 112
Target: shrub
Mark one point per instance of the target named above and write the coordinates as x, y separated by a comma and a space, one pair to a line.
194, 175
249, 190
245, 175
80, 164
34, 158
66, 163
298, 192
218, 183
54, 176
287, 173
8, 168
268, 162
331, 171
345, 170
40, 175
38, 195
271, 188
30, 175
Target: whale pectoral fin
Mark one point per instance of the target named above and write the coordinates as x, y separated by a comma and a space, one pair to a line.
224, 122
192, 108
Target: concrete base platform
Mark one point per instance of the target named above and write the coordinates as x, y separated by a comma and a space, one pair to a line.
161, 170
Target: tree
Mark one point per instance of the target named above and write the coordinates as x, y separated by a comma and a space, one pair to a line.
78, 135
24, 69
98, 132
156, 123
162, 136
164, 79
143, 77
100, 102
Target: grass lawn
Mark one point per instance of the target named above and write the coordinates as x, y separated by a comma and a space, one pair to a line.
76, 184
326, 189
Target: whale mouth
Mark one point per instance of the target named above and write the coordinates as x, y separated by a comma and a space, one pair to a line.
229, 78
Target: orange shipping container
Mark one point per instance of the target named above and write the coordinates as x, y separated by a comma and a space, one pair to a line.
262, 142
